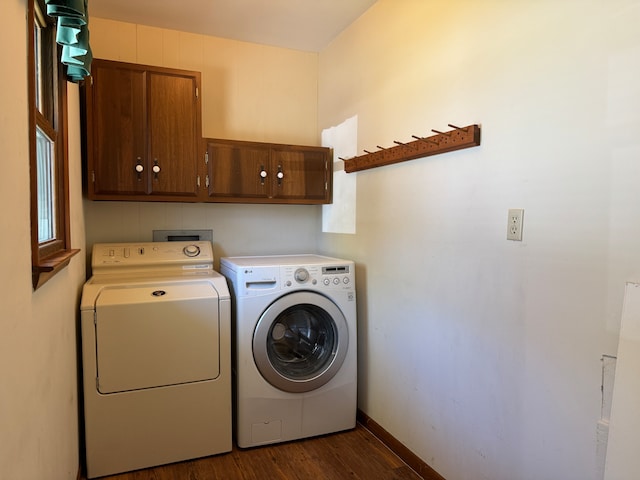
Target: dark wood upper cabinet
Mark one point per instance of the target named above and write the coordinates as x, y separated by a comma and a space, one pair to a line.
143, 142
143, 132
255, 172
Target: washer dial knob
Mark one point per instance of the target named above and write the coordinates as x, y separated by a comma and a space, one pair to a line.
301, 275
191, 250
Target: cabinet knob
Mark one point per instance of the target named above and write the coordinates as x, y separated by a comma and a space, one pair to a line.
139, 168
280, 175
263, 174
155, 169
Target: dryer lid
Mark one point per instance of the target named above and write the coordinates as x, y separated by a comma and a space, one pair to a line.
152, 336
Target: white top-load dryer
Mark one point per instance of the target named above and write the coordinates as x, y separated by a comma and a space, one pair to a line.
156, 356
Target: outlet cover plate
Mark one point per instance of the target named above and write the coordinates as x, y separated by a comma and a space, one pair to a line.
514, 224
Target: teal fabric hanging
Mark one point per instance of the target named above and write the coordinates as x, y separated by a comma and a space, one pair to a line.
73, 35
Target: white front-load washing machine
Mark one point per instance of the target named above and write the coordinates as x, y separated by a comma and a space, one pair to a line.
156, 356
295, 338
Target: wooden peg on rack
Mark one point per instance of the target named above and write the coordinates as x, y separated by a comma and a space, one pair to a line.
425, 139
407, 145
441, 133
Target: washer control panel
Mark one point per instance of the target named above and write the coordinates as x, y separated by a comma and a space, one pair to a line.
268, 275
146, 255
329, 276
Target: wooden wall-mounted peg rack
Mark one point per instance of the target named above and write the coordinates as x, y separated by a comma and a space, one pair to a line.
456, 139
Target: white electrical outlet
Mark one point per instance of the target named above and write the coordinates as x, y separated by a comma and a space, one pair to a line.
514, 224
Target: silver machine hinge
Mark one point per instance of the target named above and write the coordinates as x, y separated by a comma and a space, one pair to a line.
198, 181
206, 181
197, 93
206, 158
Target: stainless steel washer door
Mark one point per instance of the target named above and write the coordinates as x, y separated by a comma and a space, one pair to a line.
300, 342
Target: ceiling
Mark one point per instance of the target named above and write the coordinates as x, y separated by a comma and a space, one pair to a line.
307, 25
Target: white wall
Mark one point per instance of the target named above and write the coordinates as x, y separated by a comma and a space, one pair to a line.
249, 92
480, 354
39, 392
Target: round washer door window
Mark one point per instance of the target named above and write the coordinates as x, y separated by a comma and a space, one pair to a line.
300, 342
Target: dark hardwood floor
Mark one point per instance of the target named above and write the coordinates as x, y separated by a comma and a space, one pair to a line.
355, 454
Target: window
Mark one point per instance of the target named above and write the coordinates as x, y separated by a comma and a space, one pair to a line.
50, 229
46, 180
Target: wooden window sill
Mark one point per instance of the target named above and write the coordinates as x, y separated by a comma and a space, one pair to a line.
49, 266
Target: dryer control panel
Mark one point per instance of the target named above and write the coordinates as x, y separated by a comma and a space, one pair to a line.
186, 255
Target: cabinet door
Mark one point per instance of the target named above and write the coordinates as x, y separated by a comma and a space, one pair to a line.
301, 174
238, 171
173, 134
256, 172
139, 119
116, 135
